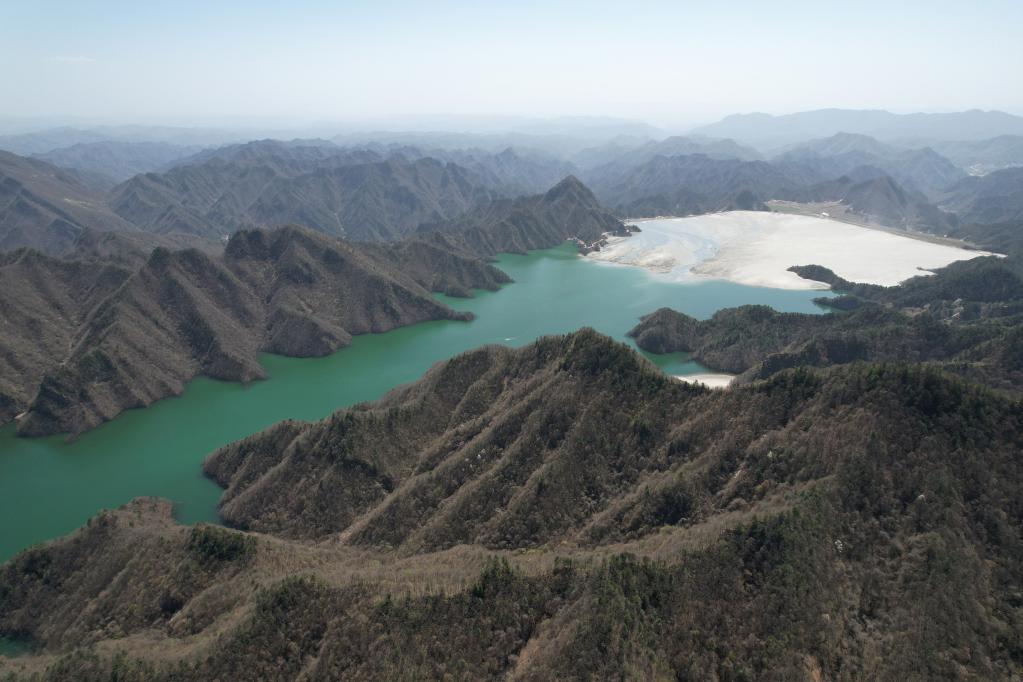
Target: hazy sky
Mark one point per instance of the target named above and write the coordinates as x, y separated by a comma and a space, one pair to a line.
671, 63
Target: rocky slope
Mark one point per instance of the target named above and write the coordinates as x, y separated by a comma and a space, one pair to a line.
921, 170
993, 198
356, 194
131, 249
604, 163
139, 334
683, 185
439, 263
967, 319
510, 172
465, 454
115, 159
884, 184
755, 342
857, 523
43, 301
566, 211
984, 156
166, 315
877, 198
770, 132
46, 208
1003, 237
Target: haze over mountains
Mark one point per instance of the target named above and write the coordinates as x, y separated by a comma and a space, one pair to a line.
361, 196
112, 326
848, 509
382, 187
990, 198
771, 132
118, 160
922, 170
46, 207
511, 341
433, 211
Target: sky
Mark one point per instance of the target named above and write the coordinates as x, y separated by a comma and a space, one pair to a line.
673, 63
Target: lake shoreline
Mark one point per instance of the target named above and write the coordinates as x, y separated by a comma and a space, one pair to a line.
158, 451
755, 248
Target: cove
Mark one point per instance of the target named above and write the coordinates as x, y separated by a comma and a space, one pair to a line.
12, 648
49, 487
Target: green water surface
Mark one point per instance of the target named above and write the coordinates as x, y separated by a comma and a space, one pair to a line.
12, 648
49, 487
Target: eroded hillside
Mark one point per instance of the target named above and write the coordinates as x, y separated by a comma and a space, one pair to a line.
854, 523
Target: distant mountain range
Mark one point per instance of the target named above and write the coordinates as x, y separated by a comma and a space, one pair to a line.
377, 193
46, 207
622, 154
849, 508
880, 182
993, 198
115, 325
359, 193
567, 210
512, 171
922, 170
683, 185
50, 139
883, 201
117, 160
346, 194
765, 131
983, 156
386, 190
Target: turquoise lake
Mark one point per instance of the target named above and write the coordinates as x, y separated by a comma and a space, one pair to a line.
49, 487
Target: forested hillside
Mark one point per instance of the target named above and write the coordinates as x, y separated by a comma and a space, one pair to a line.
966, 319
139, 333
856, 523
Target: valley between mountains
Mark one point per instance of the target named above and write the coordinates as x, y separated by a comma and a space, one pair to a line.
408, 405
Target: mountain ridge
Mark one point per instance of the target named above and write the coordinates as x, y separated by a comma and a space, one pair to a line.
717, 533
291, 291
47, 207
568, 210
182, 313
767, 131
117, 160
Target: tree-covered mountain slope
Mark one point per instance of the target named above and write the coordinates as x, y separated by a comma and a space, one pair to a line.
860, 522
138, 334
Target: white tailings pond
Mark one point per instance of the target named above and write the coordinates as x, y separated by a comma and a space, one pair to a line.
757, 248
708, 380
